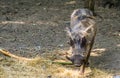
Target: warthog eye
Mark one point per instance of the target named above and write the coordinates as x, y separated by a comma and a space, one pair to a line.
71, 43
83, 43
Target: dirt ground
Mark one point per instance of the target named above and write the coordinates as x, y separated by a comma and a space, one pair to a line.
33, 28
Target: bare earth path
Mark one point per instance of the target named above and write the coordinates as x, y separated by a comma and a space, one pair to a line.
31, 28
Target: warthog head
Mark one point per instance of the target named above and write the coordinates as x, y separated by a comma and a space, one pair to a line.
78, 44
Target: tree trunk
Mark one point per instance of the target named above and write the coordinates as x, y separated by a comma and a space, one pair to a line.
89, 4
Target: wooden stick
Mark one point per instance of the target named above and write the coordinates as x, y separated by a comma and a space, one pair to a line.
89, 51
14, 56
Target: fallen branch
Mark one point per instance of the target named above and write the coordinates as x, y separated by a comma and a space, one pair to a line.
7, 53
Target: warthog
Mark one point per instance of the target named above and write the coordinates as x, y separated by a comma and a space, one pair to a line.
81, 33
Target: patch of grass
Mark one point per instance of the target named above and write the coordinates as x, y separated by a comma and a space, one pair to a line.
43, 67
2, 73
97, 73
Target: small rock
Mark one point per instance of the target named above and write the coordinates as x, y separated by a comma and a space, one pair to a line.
38, 4
44, 8
37, 48
61, 45
34, 24
49, 76
116, 76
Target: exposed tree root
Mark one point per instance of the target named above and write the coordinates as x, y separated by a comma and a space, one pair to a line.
7, 53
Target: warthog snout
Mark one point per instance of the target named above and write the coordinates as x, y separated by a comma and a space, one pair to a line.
77, 60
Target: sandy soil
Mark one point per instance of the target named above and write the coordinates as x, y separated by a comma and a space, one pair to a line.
32, 27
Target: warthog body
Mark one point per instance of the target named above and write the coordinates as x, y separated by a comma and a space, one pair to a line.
81, 32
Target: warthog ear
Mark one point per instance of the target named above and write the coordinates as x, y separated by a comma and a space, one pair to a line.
68, 30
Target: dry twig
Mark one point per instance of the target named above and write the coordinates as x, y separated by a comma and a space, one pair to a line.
5, 52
